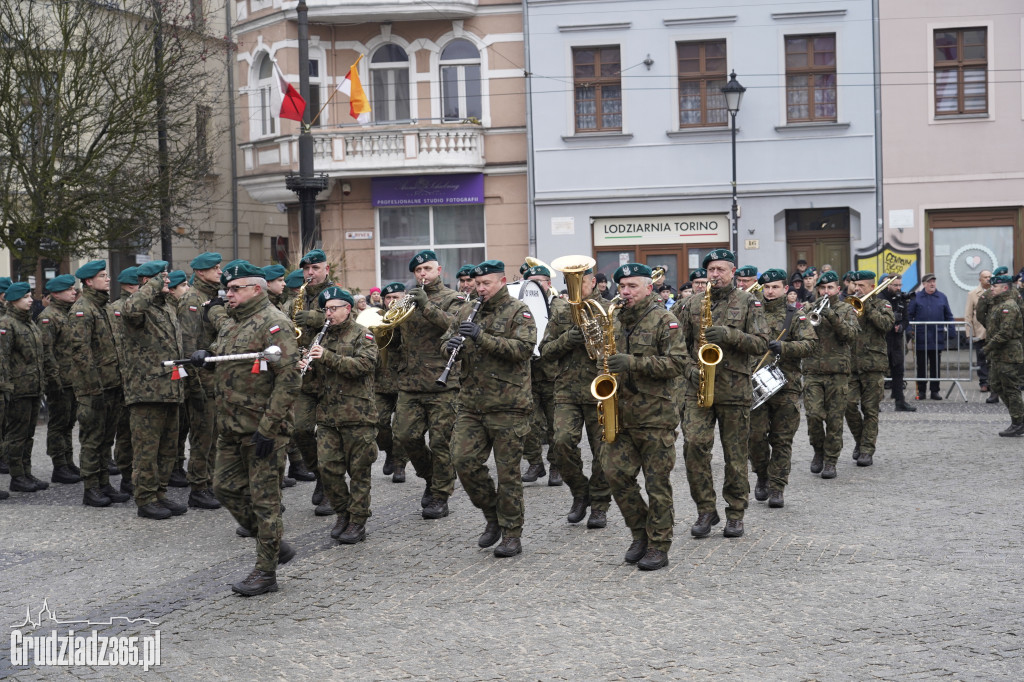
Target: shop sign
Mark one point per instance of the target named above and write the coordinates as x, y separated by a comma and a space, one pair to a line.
428, 190
662, 229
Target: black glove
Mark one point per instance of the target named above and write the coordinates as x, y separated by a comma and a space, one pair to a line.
470, 329
453, 344
419, 296
716, 334
199, 357
618, 363
693, 376
575, 336
264, 446
775, 347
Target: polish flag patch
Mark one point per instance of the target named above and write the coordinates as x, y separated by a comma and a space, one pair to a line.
757, 304
193, 308
275, 329
673, 325
1005, 310
44, 320
528, 316
369, 337
803, 318
3, 332
117, 313
79, 314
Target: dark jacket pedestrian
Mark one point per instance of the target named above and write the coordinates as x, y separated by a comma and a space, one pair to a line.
930, 305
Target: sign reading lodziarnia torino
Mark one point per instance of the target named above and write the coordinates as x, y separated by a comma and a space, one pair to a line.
661, 229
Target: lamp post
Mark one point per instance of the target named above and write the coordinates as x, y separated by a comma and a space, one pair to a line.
733, 92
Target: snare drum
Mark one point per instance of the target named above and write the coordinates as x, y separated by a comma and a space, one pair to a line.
767, 382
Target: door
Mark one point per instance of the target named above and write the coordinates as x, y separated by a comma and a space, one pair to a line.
818, 251
664, 258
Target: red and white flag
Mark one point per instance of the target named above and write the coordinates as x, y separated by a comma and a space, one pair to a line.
359, 104
292, 104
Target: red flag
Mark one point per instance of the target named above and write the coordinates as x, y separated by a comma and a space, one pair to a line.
292, 104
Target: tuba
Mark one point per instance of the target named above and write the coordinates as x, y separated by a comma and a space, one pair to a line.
858, 301
587, 314
708, 355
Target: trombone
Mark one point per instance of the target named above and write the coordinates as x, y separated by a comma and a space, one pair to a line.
858, 301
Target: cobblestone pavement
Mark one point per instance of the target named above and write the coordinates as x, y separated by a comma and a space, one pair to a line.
911, 568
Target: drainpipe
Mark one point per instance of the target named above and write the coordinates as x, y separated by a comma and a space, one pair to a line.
231, 132
877, 75
531, 185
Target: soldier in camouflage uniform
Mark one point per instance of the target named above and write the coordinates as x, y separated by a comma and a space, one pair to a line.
774, 424
252, 427
32, 367
495, 403
153, 396
739, 329
97, 383
465, 277
746, 277
276, 290
198, 333
1004, 350
827, 377
868, 366
385, 387
6, 385
60, 395
699, 284
345, 417
178, 287
575, 407
423, 405
650, 356
123, 453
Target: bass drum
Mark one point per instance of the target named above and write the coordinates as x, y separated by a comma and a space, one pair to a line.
530, 293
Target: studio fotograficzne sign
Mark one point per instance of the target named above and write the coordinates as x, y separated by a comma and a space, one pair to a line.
664, 229
428, 190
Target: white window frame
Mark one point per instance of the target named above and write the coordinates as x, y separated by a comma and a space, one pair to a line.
993, 65
420, 247
263, 96
460, 81
390, 68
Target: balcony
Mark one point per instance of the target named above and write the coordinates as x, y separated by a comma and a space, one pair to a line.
339, 11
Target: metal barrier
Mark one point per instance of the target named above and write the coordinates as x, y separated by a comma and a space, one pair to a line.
954, 362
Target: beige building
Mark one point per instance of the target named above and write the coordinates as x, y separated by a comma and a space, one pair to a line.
952, 131
441, 165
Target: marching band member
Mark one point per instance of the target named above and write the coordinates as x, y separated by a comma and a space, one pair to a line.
385, 387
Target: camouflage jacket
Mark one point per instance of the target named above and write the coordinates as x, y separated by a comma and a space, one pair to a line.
496, 369
388, 367
57, 339
800, 341
1003, 329
260, 401
574, 370
31, 366
423, 356
346, 369
545, 369
92, 342
281, 301
872, 350
747, 340
197, 332
651, 335
310, 329
115, 311
838, 330
5, 357
985, 302
151, 335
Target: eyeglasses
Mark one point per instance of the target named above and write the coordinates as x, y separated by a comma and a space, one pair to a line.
336, 307
238, 287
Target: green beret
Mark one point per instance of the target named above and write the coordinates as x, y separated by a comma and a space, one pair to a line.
153, 268
60, 283
719, 254
239, 269
17, 291
205, 261
851, 276
421, 258
1001, 270
772, 275
631, 270
1004, 278
465, 271
334, 292
699, 273
523, 268
826, 277
176, 277
5, 282
747, 271
393, 288
489, 267
537, 270
91, 269
129, 276
313, 257
811, 272
862, 275
294, 279
272, 272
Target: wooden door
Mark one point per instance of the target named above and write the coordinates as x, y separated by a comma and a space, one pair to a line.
668, 257
818, 250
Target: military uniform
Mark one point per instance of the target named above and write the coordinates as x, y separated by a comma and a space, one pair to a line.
385, 389
60, 394
542, 380
1005, 352
123, 452
201, 409
869, 366
303, 438
6, 388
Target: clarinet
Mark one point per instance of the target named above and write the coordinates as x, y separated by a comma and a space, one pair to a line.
443, 379
316, 342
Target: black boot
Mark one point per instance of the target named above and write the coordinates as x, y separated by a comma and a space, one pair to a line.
318, 493
287, 482
829, 470
112, 469
40, 485
817, 462
257, 582
325, 508
653, 560
114, 494
637, 550
178, 479
23, 484
490, 535
554, 476
299, 472
508, 547
399, 475
64, 474
598, 518
902, 406
155, 511
202, 499
170, 505
426, 498
578, 510
339, 526
856, 452
94, 497
702, 528
761, 488
353, 533
126, 485
533, 472
776, 500
437, 509
866, 460
1013, 430
389, 464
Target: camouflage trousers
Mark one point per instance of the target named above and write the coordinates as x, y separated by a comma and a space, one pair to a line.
862, 399
541, 423
699, 434
386, 403
347, 450
570, 419
62, 408
123, 453
4, 399
472, 439
19, 433
772, 428
419, 414
654, 451
825, 403
155, 443
183, 427
303, 439
97, 427
202, 440
250, 488
1005, 380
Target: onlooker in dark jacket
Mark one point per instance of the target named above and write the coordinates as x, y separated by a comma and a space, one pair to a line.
930, 305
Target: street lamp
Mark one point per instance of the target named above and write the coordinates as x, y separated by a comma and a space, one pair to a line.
733, 92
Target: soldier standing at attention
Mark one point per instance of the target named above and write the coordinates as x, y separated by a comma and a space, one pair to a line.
274, 274
495, 404
60, 395
868, 369
827, 377
345, 416
739, 328
424, 406
123, 453
200, 408
97, 382
465, 277
774, 424
575, 407
1004, 350
178, 287
385, 387
152, 335
253, 423
35, 368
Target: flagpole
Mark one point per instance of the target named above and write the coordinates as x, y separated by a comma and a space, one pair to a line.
333, 93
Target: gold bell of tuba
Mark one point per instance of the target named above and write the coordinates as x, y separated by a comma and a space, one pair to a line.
587, 314
708, 355
383, 324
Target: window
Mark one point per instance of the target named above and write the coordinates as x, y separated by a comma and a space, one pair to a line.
598, 85
265, 88
701, 79
455, 233
197, 14
314, 92
460, 81
811, 78
203, 114
961, 71
389, 84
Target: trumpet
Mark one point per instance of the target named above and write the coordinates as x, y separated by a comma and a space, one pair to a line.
858, 301
814, 317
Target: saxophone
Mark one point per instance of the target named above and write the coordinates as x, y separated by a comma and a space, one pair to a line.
708, 355
605, 386
300, 304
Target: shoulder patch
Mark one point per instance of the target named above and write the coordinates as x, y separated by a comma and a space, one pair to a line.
275, 329
461, 297
3, 331
757, 303
527, 315
117, 313
44, 320
79, 314
803, 318
673, 325
1005, 310
193, 308
369, 336
888, 305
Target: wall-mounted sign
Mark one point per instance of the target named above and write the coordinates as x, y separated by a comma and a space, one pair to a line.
428, 190
663, 229
359, 235
751, 244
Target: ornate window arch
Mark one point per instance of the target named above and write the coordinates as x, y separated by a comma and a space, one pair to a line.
389, 84
263, 94
461, 82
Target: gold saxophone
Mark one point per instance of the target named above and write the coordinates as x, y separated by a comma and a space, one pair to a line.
708, 355
300, 304
605, 386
